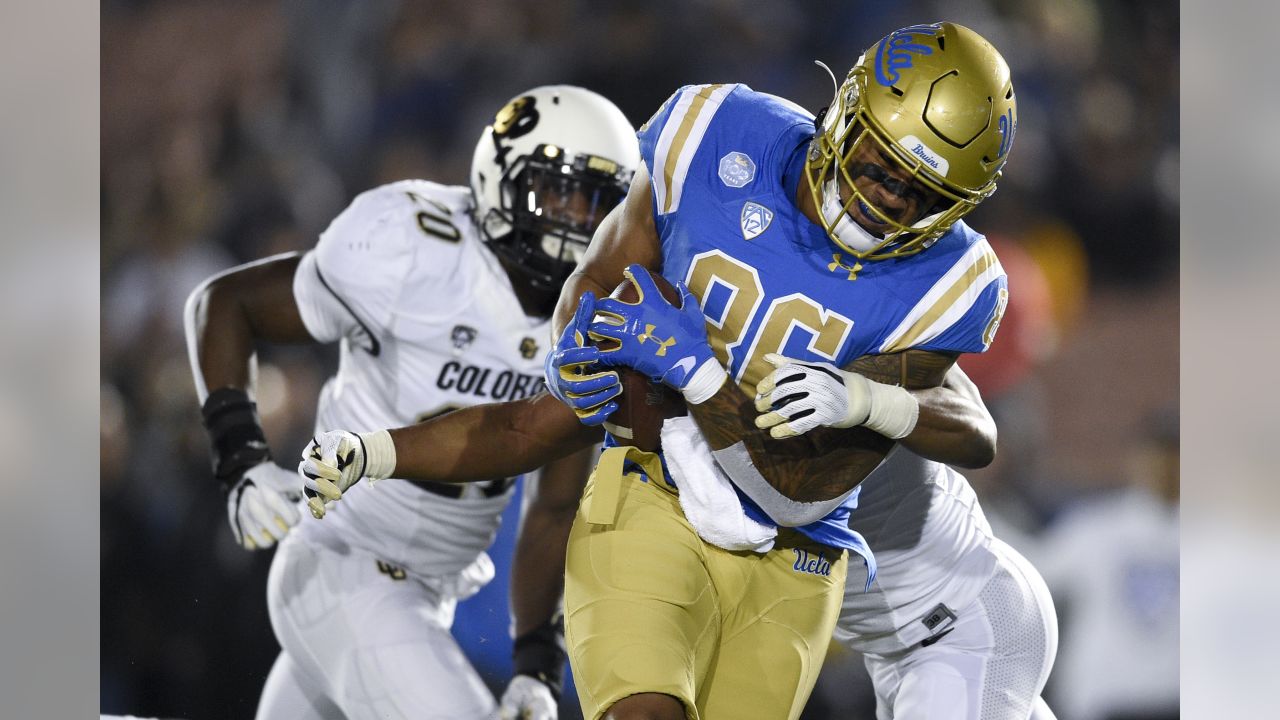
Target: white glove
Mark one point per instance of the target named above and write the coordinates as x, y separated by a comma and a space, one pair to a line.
527, 698
335, 460
260, 505
800, 396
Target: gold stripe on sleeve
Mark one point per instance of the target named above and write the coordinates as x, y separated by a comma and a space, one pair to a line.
944, 303
682, 135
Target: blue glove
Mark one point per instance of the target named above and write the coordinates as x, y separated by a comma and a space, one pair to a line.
569, 372
656, 338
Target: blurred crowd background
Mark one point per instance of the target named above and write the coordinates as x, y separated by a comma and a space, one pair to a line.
234, 129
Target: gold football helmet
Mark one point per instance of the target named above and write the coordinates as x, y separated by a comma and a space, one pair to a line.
913, 140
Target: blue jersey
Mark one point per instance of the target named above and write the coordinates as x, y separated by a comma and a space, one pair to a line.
725, 164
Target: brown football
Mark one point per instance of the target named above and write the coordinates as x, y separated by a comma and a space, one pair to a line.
643, 404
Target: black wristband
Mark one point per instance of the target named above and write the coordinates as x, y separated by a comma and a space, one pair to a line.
540, 654
235, 432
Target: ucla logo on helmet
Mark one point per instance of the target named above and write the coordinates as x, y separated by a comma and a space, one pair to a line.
736, 169
898, 50
755, 219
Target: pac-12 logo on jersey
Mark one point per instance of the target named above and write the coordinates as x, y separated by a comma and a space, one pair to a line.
755, 219
462, 336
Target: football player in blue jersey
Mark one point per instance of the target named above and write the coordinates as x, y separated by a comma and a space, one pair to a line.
705, 580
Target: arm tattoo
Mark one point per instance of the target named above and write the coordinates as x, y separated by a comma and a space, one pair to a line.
818, 465
911, 369
825, 462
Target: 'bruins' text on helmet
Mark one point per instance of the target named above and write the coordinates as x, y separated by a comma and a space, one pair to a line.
933, 102
554, 161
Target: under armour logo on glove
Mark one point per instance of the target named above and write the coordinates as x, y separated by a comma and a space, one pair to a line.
662, 344
638, 326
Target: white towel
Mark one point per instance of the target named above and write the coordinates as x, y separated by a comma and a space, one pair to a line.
706, 493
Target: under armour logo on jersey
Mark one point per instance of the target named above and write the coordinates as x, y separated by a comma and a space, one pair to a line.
662, 344
755, 219
462, 336
836, 263
528, 348
736, 169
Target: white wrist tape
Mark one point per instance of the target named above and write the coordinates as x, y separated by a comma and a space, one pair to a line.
893, 412
706, 381
379, 454
857, 390
736, 463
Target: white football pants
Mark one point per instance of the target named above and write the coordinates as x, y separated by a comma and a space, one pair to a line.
992, 665
362, 640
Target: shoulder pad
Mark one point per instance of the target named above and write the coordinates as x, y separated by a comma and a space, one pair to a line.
963, 308
384, 228
672, 137
731, 121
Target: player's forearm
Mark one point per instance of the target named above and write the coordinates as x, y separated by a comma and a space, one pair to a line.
818, 466
953, 426
577, 283
537, 571
487, 441
952, 430
537, 575
219, 339
227, 314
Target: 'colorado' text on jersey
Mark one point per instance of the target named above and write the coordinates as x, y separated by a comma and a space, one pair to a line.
725, 164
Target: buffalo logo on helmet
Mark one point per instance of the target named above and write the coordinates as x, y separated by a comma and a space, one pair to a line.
515, 120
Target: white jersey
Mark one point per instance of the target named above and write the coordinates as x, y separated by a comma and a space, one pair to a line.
428, 322
933, 546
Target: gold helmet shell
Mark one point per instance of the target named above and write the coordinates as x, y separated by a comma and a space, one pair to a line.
938, 101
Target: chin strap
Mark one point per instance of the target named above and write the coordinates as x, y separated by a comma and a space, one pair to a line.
850, 233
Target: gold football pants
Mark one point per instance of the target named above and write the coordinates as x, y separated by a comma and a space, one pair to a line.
652, 608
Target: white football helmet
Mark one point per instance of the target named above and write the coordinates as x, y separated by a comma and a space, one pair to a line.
555, 160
